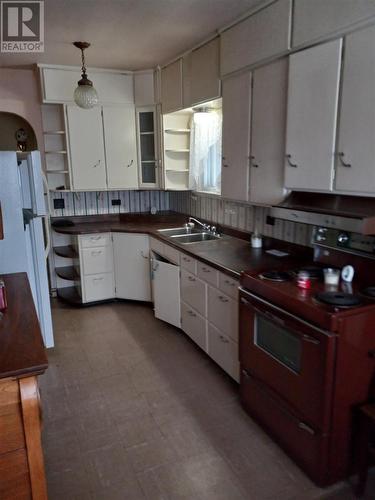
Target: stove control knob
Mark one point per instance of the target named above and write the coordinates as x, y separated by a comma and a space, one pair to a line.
343, 239
321, 234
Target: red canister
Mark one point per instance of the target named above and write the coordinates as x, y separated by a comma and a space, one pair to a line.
3, 296
303, 280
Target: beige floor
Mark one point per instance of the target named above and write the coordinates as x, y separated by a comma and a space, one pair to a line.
134, 410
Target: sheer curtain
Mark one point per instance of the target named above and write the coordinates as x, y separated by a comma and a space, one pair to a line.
205, 151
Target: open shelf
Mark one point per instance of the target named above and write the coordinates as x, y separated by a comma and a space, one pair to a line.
68, 252
57, 171
177, 150
67, 273
147, 133
178, 130
69, 295
61, 152
183, 171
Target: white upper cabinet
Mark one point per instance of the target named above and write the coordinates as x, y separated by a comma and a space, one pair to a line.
263, 35
120, 147
186, 80
171, 87
268, 132
86, 148
314, 76
58, 85
356, 145
144, 90
315, 19
205, 81
236, 137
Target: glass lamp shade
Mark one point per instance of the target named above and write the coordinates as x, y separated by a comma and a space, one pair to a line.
85, 96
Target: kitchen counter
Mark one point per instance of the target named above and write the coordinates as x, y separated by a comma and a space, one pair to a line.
230, 254
22, 350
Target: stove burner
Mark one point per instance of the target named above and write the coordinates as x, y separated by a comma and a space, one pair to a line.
369, 292
338, 299
279, 276
313, 272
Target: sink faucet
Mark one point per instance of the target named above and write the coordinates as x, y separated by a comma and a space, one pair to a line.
191, 223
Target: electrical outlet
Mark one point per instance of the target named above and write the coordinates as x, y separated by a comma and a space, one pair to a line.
116, 203
58, 203
270, 220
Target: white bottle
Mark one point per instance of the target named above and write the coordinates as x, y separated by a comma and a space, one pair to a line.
256, 240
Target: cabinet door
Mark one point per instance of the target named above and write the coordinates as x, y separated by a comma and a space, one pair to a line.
86, 147
356, 145
205, 82
147, 147
268, 132
263, 35
171, 87
120, 147
236, 137
314, 76
166, 290
224, 351
132, 266
315, 19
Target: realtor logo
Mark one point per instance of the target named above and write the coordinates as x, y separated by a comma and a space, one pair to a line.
22, 26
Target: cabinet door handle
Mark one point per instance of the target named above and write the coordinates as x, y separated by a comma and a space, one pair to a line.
98, 279
290, 163
129, 164
230, 283
225, 165
205, 270
306, 428
95, 238
223, 339
97, 164
190, 278
252, 162
185, 259
223, 299
143, 255
94, 253
343, 163
191, 313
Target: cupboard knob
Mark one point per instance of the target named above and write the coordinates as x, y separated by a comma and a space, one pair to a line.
223, 299
129, 164
289, 160
342, 161
97, 164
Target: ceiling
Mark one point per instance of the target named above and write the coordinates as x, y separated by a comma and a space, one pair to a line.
128, 34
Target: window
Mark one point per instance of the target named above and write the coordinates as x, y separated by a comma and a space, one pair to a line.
205, 151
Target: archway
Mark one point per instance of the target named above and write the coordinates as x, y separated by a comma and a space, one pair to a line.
9, 124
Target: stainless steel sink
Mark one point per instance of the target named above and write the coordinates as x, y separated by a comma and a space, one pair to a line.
177, 231
193, 238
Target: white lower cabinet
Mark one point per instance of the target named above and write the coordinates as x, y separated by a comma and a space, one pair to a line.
97, 260
165, 280
224, 351
98, 287
193, 291
194, 325
223, 312
132, 266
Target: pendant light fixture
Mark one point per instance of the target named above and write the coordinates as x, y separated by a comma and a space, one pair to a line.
85, 95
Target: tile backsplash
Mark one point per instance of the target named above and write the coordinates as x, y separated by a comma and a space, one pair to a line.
100, 202
239, 216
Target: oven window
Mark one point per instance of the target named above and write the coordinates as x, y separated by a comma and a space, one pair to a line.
281, 344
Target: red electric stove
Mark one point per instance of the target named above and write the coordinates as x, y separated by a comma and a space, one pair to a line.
308, 355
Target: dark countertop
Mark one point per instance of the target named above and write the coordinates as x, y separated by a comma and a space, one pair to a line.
22, 350
229, 254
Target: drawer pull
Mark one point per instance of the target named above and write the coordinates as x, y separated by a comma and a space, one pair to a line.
143, 255
310, 339
223, 299
245, 301
95, 238
306, 428
185, 259
97, 164
94, 253
230, 283
191, 313
190, 278
223, 339
98, 279
205, 270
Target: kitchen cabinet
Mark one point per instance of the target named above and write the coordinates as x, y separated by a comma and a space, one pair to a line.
355, 170
268, 132
132, 266
165, 279
144, 88
263, 35
186, 81
171, 87
205, 80
224, 351
193, 292
323, 18
148, 153
194, 325
223, 312
314, 76
236, 137
120, 147
86, 148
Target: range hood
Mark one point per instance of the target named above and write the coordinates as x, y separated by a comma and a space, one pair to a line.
350, 213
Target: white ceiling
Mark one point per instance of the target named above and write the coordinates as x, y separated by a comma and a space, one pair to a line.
128, 34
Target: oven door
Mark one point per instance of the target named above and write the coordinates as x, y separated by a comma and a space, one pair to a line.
292, 357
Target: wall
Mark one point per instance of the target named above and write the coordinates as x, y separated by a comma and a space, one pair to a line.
9, 123
239, 216
19, 94
99, 202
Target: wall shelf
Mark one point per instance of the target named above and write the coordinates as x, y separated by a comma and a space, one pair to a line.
66, 251
147, 133
61, 152
178, 130
54, 132
70, 295
175, 170
177, 150
57, 171
67, 273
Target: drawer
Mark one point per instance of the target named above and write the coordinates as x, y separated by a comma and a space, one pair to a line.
193, 291
97, 260
224, 351
188, 263
194, 325
157, 246
99, 287
229, 285
208, 274
95, 240
172, 254
223, 312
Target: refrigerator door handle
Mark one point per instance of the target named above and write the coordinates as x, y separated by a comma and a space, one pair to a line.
46, 217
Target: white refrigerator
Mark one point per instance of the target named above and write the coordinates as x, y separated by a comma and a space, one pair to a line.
26, 242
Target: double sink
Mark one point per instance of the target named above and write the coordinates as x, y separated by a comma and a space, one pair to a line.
186, 235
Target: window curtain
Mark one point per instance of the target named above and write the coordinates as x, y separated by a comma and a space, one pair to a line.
205, 152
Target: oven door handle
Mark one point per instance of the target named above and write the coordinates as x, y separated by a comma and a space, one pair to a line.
312, 340
267, 314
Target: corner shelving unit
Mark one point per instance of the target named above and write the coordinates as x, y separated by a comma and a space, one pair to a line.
67, 270
176, 149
